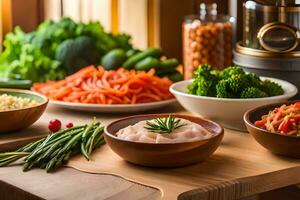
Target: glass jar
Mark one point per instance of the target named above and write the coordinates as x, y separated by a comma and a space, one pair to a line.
207, 39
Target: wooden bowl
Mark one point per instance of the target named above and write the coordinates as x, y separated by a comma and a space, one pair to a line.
18, 119
163, 154
275, 142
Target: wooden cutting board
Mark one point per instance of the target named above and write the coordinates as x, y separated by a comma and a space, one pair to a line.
14, 140
73, 184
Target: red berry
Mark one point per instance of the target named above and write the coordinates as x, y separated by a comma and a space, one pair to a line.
69, 125
54, 125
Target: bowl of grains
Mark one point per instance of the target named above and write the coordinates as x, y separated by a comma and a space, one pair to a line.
20, 108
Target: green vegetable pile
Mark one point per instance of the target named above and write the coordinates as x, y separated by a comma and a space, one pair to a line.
143, 60
57, 148
56, 49
232, 82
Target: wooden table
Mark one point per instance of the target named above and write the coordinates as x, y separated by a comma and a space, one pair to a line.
239, 168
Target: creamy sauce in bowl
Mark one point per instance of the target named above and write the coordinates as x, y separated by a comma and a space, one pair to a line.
189, 132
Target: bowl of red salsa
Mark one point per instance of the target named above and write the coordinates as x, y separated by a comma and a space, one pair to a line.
276, 127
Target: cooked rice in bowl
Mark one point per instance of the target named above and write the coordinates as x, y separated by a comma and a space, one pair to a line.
9, 102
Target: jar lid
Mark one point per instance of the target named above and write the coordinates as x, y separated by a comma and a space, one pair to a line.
265, 54
218, 18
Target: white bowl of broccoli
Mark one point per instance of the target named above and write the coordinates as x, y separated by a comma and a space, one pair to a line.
224, 96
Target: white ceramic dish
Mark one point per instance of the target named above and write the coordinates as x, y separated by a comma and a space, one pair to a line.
114, 108
228, 112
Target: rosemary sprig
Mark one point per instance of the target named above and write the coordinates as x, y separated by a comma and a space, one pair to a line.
164, 125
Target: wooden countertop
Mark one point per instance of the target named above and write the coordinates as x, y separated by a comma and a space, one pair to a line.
68, 183
239, 168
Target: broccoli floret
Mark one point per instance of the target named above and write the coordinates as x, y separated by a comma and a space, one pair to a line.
77, 53
253, 92
50, 34
271, 88
237, 83
192, 88
204, 83
206, 87
230, 71
223, 89
203, 71
217, 74
202, 87
231, 87
232, 82
253, 80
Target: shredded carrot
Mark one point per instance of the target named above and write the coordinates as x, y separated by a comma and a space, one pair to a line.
95, 85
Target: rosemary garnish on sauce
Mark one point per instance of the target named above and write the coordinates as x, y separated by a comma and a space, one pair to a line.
164, 125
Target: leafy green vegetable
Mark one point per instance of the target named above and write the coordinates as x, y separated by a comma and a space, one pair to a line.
122, 41
104, 41
232, 82
49, 35
34, 55
57, 49
13, 44
77, 53
31, 64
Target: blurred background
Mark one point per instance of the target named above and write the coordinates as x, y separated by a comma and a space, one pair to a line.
262, 36
149, 22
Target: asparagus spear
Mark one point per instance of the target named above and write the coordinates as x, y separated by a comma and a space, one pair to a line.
57, 148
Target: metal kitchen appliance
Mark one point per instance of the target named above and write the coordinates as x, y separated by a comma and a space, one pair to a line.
271, 39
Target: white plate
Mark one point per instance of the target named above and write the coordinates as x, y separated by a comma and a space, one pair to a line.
112, 108
229, 112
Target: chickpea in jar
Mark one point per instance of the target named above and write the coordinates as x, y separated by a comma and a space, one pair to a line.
206, 43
